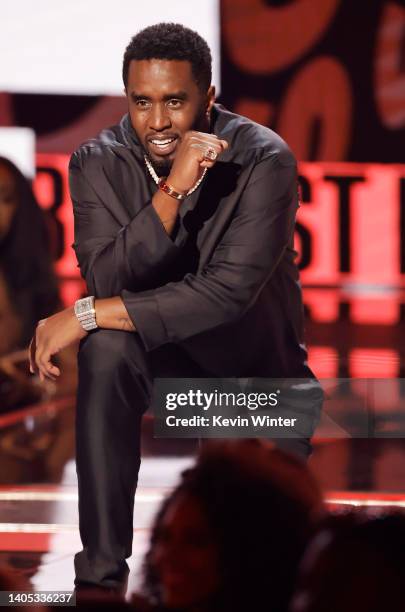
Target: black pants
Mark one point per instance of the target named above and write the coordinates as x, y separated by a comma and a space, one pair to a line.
114, 389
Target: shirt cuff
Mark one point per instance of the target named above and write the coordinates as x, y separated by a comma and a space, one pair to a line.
144, 313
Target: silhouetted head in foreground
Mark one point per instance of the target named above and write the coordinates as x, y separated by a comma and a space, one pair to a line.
231, 534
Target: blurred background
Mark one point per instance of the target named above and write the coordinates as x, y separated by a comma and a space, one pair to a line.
329, 77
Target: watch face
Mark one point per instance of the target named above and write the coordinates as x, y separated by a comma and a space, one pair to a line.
83, 306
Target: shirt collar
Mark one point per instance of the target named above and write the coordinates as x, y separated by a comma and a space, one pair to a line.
130, 137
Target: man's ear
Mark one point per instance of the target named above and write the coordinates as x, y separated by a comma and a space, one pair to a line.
210, 98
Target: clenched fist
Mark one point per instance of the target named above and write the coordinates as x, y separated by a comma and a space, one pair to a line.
190, 159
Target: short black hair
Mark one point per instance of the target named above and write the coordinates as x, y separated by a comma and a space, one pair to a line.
171, 41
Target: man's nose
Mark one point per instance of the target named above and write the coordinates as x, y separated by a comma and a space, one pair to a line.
159, 118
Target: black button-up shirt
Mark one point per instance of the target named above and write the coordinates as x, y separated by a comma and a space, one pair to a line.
225, 285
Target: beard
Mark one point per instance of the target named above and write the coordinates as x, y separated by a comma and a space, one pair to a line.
161, 167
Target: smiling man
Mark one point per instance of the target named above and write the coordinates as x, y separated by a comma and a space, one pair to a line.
184, 220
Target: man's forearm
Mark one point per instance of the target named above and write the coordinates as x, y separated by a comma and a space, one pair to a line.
167, 208
112, 314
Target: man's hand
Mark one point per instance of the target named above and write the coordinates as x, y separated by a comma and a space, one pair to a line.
190, 159
51, 336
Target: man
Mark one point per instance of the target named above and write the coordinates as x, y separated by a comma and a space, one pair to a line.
192, 277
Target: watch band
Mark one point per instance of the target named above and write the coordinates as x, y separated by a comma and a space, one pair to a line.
86, 313
170, 191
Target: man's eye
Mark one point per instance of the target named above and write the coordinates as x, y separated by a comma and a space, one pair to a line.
142, 103
175, 103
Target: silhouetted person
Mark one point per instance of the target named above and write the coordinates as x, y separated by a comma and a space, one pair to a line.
231, 534
28, 284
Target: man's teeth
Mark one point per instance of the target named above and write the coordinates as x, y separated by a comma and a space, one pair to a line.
162, 143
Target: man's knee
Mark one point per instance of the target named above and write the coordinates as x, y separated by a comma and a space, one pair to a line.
113, 363
104, 350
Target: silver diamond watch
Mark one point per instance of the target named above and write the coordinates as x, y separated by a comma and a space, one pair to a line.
85, 312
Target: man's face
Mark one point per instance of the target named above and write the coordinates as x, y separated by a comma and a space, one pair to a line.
164, 102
